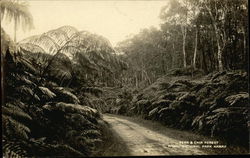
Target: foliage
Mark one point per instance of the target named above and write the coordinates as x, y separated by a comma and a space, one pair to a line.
42, 118
199, 36
15, 10
18, 12
209, 105
65, 52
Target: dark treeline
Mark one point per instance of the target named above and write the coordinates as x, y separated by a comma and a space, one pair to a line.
209, 35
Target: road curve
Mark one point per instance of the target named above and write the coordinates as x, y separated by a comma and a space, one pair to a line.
141, 140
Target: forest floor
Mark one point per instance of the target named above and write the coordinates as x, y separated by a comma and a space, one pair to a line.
134, 137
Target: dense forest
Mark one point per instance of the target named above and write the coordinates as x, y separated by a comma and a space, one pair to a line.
190, 74
200, 35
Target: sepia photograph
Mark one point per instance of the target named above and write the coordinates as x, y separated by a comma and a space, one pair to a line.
115, 78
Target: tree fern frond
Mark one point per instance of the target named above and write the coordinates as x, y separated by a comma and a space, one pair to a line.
18, 103
91, 133
69, 30
70, 134
31, 47
47, 92
84, 60
93, 90
25, 90
36, 97
40, 149
15, 112
13, 128
13, 150
59, 36
45, 42
24, 79
26, 40
28, 65
70, 97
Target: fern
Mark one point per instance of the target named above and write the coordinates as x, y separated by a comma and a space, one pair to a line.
27, 65
13, 150
15, 112
68, 96
13, 128
47, 92
25, 90
93, 90
90, 50
18, 103
70, 134
91, 133
67, 151
25, 80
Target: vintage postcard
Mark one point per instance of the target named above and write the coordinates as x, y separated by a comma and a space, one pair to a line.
97, 78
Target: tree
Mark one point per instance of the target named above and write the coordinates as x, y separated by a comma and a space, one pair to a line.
86, 56
18, 12
177, 13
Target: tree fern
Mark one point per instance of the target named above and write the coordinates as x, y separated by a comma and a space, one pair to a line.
24, 89
68, 96
91, 133
91, 51
24, 80
13, 150
27, 65
15, 112
14, 129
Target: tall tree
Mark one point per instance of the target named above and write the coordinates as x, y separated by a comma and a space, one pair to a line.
18, 12
177, 13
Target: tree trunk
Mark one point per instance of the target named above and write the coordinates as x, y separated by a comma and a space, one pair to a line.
219, 53
148, 78
195, 48
136, 80
15, 28
219, 50
184, 34
2, 77
204, 64
245, 52
173, 61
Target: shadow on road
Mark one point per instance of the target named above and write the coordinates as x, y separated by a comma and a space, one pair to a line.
113, 144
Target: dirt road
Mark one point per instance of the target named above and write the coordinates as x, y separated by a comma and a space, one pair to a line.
141, 140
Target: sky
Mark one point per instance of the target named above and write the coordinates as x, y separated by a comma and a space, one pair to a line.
115, 20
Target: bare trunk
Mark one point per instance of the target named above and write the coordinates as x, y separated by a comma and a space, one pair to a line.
136, 81
195, 48
184, 33
148, 78
2, 77
245, 52
2, 71
173, 61
220, 58
15, 29
219, 51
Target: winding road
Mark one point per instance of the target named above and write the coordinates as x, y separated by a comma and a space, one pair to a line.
141, 139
